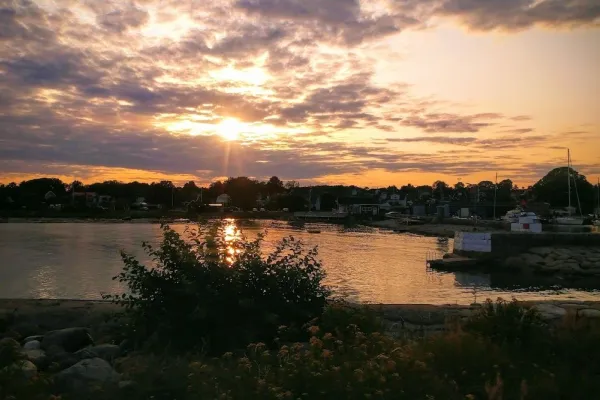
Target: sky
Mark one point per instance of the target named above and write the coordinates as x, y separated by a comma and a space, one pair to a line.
371, 93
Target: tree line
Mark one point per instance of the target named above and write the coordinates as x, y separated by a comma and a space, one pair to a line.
276, 194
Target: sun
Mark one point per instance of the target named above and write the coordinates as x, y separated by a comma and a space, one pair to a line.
230, 129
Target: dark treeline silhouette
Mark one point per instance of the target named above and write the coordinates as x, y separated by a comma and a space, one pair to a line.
274, 194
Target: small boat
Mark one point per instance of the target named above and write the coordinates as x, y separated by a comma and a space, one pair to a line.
570, 220
313, 231
513, 215
442, 240
184, 220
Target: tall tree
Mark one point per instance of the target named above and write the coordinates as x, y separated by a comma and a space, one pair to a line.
554, 189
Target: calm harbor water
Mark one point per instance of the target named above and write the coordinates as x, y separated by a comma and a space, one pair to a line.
77, 260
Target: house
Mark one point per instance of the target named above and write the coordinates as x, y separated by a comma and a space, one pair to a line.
358, 205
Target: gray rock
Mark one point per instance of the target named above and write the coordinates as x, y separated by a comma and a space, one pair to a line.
549, 311
127, 385
85, 374
60, 359
589, 313
532, 259
70, 339
32, 345
514, 262
36, 356
106, 352
541, 251
35, 337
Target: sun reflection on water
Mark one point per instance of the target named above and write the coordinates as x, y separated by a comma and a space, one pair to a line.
232, 236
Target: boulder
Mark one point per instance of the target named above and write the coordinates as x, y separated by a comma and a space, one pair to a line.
32, 345
70, 339
589, 313
85, 375
36, 356
532, 259
550, 311
514, 262
541, 251
35, 337
106, 352
60, 359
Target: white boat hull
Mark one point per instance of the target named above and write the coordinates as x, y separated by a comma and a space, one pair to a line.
569, 221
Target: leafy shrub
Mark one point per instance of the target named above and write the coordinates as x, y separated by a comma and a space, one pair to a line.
207, 293
503, 321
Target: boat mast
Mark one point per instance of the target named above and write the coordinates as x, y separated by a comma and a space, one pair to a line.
495, 190
569, 178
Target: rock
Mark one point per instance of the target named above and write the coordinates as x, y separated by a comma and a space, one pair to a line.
589, 313
541, 251
85, 375
70, 339
106, 352
532, 259
127, 385
31, 338
514, 262
60, 359
549, 311
32, 345
24, 368
36, 356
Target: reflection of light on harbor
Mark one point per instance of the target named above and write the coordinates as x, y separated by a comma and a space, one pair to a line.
232, 236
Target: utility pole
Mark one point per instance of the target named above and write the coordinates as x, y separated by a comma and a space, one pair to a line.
495, 190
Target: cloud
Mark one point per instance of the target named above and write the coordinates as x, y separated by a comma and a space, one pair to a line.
123, 19
515, 15
100, 85
447, 122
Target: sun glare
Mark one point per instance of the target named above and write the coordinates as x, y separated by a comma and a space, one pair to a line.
230, 129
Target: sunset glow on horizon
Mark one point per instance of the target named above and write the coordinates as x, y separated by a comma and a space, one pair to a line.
371, 93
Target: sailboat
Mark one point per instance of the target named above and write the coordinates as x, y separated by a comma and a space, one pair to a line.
597, 220
570, 220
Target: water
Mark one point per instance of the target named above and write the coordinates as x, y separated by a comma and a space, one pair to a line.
77, 260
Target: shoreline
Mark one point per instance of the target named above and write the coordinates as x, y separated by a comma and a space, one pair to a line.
428, 229
58, 313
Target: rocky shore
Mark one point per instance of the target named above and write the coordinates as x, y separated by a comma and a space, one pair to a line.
583, 261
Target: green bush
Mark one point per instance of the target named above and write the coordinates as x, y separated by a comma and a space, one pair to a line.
503, 321
206, 293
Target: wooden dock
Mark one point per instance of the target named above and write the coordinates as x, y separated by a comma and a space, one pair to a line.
452, 262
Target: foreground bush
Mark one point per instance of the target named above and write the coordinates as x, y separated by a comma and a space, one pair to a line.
205, 293
354, 364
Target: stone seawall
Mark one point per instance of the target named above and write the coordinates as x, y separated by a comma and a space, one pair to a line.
512, 243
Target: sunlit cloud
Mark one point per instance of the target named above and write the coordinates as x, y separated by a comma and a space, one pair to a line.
199, 90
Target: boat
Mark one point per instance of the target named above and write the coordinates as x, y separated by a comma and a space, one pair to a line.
442, 240
596, 222
184, 220
313, 231
570, 220
512, 216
